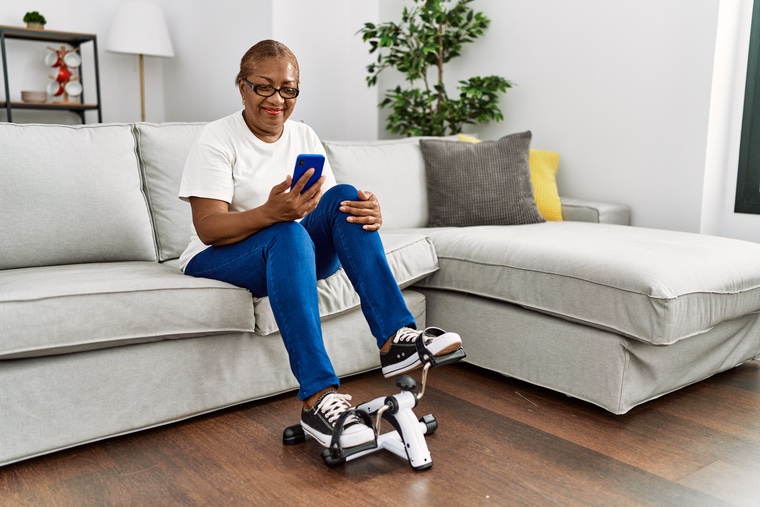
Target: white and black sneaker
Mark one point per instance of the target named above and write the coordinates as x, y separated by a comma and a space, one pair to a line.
319, 421
404, 354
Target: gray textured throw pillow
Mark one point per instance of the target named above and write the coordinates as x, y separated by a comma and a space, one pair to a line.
487, 183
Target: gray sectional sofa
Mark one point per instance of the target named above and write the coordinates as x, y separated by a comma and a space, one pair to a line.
101, 335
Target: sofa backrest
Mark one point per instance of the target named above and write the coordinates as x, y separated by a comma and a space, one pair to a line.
393, 169
71, 194
108, 192
163, 149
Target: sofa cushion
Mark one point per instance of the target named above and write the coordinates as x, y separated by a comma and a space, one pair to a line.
59, 309
85, 186
380, 166
584, 210
487, 183
411, 257
652, 285
163, 149
543, 176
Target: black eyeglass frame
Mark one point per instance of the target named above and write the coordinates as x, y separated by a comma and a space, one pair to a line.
255, 88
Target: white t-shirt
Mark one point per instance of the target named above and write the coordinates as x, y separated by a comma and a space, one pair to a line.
229, 163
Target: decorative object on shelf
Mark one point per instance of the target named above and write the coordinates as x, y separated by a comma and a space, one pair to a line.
54, 89
73, 88
33, 96
429, 35
35, 20
74, 60
139, 28
64, 83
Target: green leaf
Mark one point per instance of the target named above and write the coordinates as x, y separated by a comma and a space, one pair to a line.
430, 34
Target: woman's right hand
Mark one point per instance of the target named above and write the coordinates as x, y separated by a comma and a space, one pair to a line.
218, 226
285, 206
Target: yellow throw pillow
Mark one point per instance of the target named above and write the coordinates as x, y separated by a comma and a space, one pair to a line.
467, 139
543, 176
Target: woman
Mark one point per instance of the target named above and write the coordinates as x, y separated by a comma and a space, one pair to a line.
253, 231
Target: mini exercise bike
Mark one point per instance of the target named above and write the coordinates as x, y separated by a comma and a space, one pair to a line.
406, 441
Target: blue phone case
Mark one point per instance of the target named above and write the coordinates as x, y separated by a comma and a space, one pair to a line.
304, 162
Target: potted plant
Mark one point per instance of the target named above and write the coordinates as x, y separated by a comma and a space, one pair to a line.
35, 20
430, 34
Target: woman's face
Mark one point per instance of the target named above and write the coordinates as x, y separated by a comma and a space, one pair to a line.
266, 116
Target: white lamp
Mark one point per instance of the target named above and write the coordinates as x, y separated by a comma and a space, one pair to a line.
139, 28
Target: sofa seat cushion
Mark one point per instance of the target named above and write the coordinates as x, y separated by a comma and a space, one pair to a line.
411, 257
54, 310
652, 285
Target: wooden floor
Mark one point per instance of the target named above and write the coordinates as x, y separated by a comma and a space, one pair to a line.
499, 442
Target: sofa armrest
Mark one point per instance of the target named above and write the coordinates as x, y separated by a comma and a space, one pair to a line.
582, 210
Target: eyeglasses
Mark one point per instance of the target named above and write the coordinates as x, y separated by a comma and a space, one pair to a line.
269, 90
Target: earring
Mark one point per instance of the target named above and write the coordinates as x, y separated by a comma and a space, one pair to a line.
243, 100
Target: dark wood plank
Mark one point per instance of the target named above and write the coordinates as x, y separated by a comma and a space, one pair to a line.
500, 442
649, 437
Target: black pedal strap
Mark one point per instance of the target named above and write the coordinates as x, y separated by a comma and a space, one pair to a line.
427, 357
336, 450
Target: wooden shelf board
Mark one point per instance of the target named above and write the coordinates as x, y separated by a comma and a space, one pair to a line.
49, 105
20, 32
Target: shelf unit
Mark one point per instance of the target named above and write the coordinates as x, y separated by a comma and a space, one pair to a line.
71, 38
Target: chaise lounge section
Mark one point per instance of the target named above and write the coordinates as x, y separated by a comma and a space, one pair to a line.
604, 312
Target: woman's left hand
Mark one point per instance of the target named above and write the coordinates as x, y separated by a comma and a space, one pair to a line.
365, 211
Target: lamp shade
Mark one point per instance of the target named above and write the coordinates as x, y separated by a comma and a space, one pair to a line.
139, 28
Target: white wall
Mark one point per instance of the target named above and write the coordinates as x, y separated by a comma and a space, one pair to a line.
643, 99
625, 90
334, 99
724, 134
209, 39
620, 89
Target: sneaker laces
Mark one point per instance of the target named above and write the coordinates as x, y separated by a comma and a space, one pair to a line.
333, 405
406, 335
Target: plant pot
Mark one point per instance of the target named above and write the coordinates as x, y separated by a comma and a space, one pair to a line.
35, 26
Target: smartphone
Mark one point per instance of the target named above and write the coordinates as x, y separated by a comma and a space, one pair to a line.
304, 162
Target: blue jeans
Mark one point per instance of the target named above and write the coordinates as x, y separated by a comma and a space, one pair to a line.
284, 261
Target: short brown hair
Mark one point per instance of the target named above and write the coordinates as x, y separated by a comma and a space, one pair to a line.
265, 50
